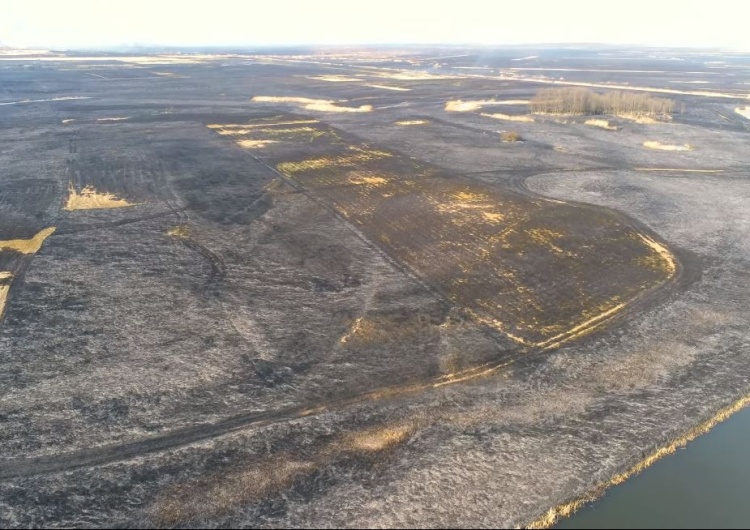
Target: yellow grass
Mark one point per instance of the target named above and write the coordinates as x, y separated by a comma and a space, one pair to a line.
412, 122
458, 105
6, 275
254, 144
3, 298
569, 508
668, 259
371, 181
743, 111
27, 246
508, 117
179, 231
90, 199
412, 76
334, 78
379, 438
602, 124
321, 105
390, 87
653, 144
227, 126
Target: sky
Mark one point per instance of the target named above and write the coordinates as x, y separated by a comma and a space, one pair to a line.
71, 24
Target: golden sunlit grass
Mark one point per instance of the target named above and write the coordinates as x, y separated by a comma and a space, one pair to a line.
3, 298
390, 87
378, 439
510, 136
368, 180
248, 126
179, 231
27, 246
458, 105
321, 105
254, 144
653, 144
667, 259
220, 493
361, 156
90, 199
5, 275
412, 122
569, 508
525, 118
257, 481
334, 78
743, 111
602, 124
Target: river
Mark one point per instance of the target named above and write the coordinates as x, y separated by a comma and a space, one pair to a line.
704, 485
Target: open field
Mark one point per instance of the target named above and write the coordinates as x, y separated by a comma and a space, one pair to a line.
319, 289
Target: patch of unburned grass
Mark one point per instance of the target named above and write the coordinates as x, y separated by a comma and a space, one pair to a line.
3, 298
743, 111
27, 246
390, 87
254, 482
525, 118
122, 118
254, 144
412, 122
653, 144
321, 105
602, 124
90, 199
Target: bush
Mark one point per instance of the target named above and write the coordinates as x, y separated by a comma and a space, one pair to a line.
510, 136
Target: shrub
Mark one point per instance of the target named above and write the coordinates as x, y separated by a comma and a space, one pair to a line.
510, 136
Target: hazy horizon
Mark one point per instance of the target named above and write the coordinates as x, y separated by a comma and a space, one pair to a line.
85, 24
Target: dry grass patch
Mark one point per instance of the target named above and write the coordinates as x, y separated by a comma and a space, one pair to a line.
90, 199
412, 122
525, 118
743, 111
3, 298
510, 136
114, 119
334, 78
390, 87
653, 144
27, 246
602, 124
70, 120
255, 144
321, 105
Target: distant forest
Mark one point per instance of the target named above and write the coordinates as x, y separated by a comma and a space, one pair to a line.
587, 102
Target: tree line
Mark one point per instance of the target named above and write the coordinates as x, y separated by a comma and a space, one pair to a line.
575, 100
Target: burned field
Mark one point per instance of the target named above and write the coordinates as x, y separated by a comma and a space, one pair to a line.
538, 271
320, 289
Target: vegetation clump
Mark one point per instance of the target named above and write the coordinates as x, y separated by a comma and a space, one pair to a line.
510, 136
582, 101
